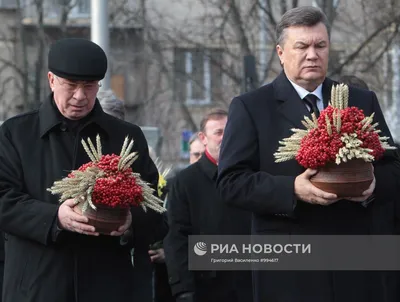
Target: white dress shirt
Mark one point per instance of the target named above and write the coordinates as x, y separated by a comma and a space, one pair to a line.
317, 92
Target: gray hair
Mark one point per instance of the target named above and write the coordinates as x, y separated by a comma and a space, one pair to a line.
300, 16
111, 104
193, 138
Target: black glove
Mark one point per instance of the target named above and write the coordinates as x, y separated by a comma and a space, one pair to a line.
185, 297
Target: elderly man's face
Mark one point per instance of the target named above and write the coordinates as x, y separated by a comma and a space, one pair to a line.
304, 54
74, 99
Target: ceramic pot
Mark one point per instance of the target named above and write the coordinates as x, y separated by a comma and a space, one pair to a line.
104, 219
348, 179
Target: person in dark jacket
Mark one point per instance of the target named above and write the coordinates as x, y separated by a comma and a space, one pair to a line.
352, 80
1, 257
195, 208
143, 287
280, 195
52, 253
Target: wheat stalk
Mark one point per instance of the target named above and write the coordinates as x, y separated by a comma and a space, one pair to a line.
93, 149
88, 152
98, 143
338, 121
125, 154
328, 125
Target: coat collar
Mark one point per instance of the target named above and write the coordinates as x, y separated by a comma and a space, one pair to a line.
50, 117
291, 106
209, 168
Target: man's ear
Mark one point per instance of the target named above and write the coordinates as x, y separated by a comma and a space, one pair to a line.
202, 138
51, 78
279, 51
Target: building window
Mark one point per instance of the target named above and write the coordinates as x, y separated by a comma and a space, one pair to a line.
83, 6
320, 4
118, 85
8, 3
197, 75
80, 7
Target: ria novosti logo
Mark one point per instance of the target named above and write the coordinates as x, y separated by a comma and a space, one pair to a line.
200, 248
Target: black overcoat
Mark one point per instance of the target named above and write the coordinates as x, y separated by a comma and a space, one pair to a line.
249, 178
195, 208
36, 149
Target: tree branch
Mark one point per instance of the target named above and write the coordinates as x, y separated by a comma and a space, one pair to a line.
368, 40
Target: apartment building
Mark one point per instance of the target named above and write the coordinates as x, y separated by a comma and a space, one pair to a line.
170, 61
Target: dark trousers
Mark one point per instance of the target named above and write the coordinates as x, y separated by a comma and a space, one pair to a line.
162, 289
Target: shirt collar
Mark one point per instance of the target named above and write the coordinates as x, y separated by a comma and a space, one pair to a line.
303, 92
212, 159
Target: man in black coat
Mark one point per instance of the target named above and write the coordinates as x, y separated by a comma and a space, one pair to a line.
52, 253
195, 208
1, 264
280, 195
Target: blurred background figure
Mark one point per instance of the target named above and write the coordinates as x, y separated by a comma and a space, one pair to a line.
111, 104
196, 148
195, 208
161, 288
142, 258
354, 81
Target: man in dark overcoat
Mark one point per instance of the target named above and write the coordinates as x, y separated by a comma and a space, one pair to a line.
52, 253
280, 195
195, 208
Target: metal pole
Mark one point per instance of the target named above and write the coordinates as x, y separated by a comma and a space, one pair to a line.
263, 36
100, 33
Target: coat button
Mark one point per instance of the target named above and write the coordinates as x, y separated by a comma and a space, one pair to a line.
63, 127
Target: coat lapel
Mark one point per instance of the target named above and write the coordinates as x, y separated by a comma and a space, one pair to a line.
290, 105
326, 91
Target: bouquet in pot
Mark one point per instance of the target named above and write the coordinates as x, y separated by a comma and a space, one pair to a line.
341, 144
106, 187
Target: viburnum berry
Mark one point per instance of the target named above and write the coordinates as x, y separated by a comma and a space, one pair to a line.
116, 188
319, 147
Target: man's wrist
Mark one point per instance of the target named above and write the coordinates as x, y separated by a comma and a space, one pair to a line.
366, 202
56, 230
185, 297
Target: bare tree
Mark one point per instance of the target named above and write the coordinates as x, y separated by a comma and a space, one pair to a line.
187, 55
26, 66
361, 34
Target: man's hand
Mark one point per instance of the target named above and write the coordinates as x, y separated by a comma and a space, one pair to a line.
123, 228
365, 195
306, 191
69, 220
157, 256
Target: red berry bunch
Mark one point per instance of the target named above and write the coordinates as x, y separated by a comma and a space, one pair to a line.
116, 188
319, 147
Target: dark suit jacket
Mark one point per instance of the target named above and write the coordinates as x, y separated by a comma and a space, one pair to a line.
195, 208
249, 178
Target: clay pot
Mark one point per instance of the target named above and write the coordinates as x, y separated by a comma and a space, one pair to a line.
104, 219
348, 179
